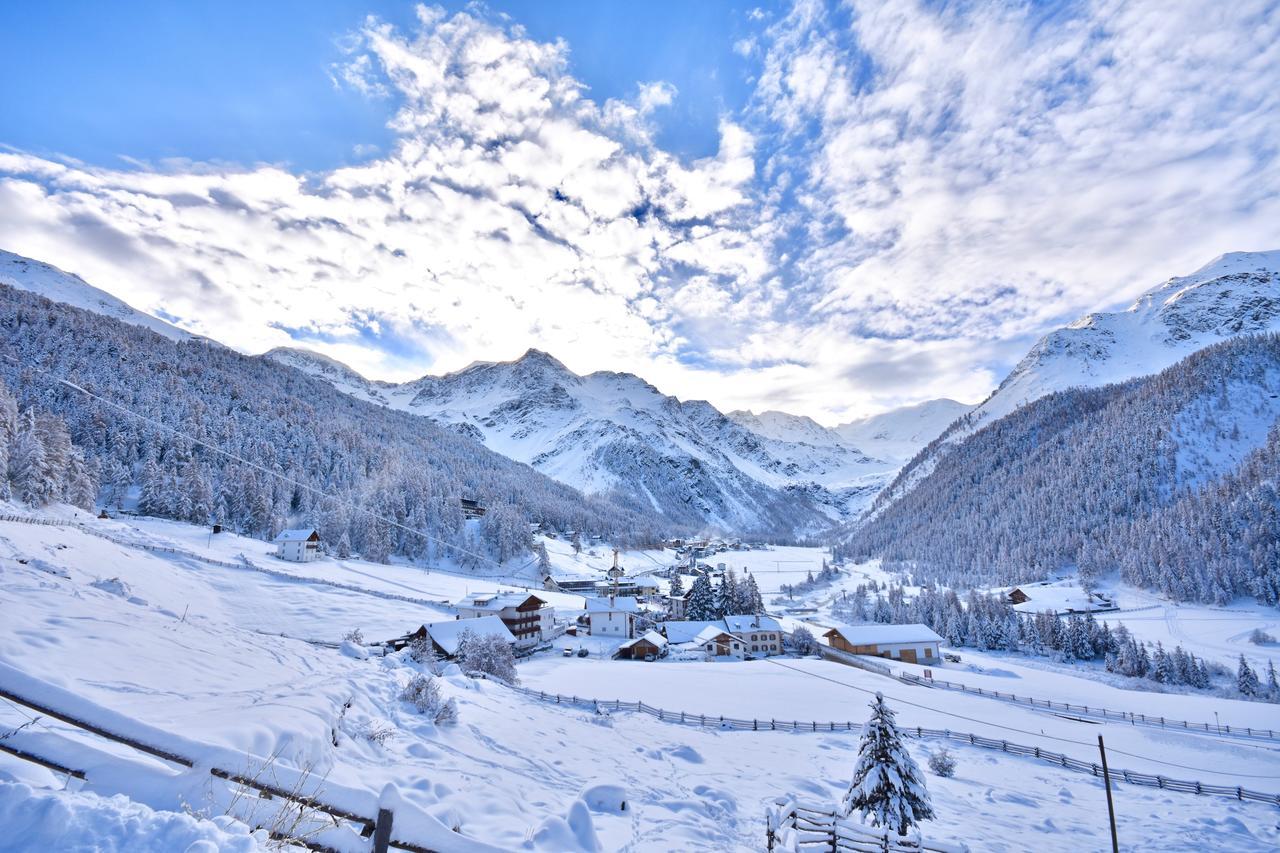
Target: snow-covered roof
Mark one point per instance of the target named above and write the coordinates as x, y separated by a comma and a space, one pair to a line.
868, 635
618, 605
1060, 598
710, 632
302, 534
687, 631
738, 624
652, 637
498, 601
447, 634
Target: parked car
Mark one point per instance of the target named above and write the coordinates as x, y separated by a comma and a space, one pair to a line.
582, 653
950, 658
649, 658
568, 652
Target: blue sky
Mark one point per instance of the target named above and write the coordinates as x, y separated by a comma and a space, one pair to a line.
830, 207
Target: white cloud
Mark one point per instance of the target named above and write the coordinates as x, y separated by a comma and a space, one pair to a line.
914, 193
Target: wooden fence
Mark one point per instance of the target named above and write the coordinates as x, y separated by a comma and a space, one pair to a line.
792, 827
1133, 777
378, 828
1094, 711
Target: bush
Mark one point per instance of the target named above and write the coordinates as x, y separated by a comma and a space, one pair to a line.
423, 693
1260, 637
354, 636
804, 642
423, 651
488, 654
942, 762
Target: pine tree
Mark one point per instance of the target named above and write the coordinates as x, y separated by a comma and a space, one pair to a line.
29, 468
1247, 679
701, 604
752, 602
676, 587
887, 784
727, 596
1273, 686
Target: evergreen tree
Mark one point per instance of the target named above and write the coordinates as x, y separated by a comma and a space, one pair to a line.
887, 785
727, 596
1246, 679
701, 604
751, 599
676, 587
1273, 686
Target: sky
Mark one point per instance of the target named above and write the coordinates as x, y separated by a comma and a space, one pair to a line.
829, 208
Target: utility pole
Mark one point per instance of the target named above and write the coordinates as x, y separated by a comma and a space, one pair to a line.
1111, 808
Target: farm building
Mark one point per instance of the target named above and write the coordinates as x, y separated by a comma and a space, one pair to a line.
1060, 598
612, 617
445, 636
298, 546
718, 644
649, 646
907, 643
528, 618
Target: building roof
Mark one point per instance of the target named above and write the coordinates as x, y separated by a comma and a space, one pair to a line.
739, 624
302, 534
621, 604
448, 634
651, 637
686, 631
711, 632
498, 600
870, 635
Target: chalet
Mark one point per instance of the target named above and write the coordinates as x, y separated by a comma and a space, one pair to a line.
445, 636
649, 646
472, 509
718, 643
529, 619
298, 546
677, 605
907, 643
612, 617
760, 636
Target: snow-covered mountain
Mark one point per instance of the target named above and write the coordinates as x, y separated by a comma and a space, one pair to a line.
900, 433
52, 283
1234, 294
614, 431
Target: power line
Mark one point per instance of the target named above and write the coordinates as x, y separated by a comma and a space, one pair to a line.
1014, 729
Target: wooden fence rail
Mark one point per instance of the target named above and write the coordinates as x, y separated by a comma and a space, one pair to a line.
1133, 777
378, 828
1094, 711
792, 827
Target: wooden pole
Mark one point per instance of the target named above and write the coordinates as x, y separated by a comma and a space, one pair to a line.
1111, 808
382, 831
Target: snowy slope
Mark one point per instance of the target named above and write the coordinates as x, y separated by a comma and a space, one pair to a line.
52, 283
900, 433
607, 431
216, 676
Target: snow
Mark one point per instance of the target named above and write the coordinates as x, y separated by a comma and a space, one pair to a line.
517, 773
859, 635
447, 635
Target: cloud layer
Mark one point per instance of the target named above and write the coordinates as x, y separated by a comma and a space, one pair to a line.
913, 195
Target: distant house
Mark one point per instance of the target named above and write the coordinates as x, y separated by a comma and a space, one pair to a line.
445, 636
907, 643
472, 509
299, 546
1060, 597
612, 617
528, 618
718, 643
677, 605
761, 636
649, 646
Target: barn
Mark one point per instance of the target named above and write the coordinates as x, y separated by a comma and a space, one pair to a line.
907, 643
649, 646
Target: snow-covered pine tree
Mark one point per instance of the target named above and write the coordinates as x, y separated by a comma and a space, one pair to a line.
676, 587
701, 604
727, 595
752, 602
1273, 686
1247, 679
887, 785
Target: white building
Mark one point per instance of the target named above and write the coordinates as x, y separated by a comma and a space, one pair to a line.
529, 619
907, 643
718, 644
760, 636
612, 617
299, 546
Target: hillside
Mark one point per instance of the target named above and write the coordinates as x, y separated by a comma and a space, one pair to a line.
337, 457
1169, 478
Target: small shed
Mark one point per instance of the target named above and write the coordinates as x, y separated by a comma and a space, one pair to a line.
299, 546
650, 645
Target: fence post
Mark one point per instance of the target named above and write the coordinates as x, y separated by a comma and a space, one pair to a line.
382, 831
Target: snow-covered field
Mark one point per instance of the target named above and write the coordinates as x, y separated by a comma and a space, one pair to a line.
511, 772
